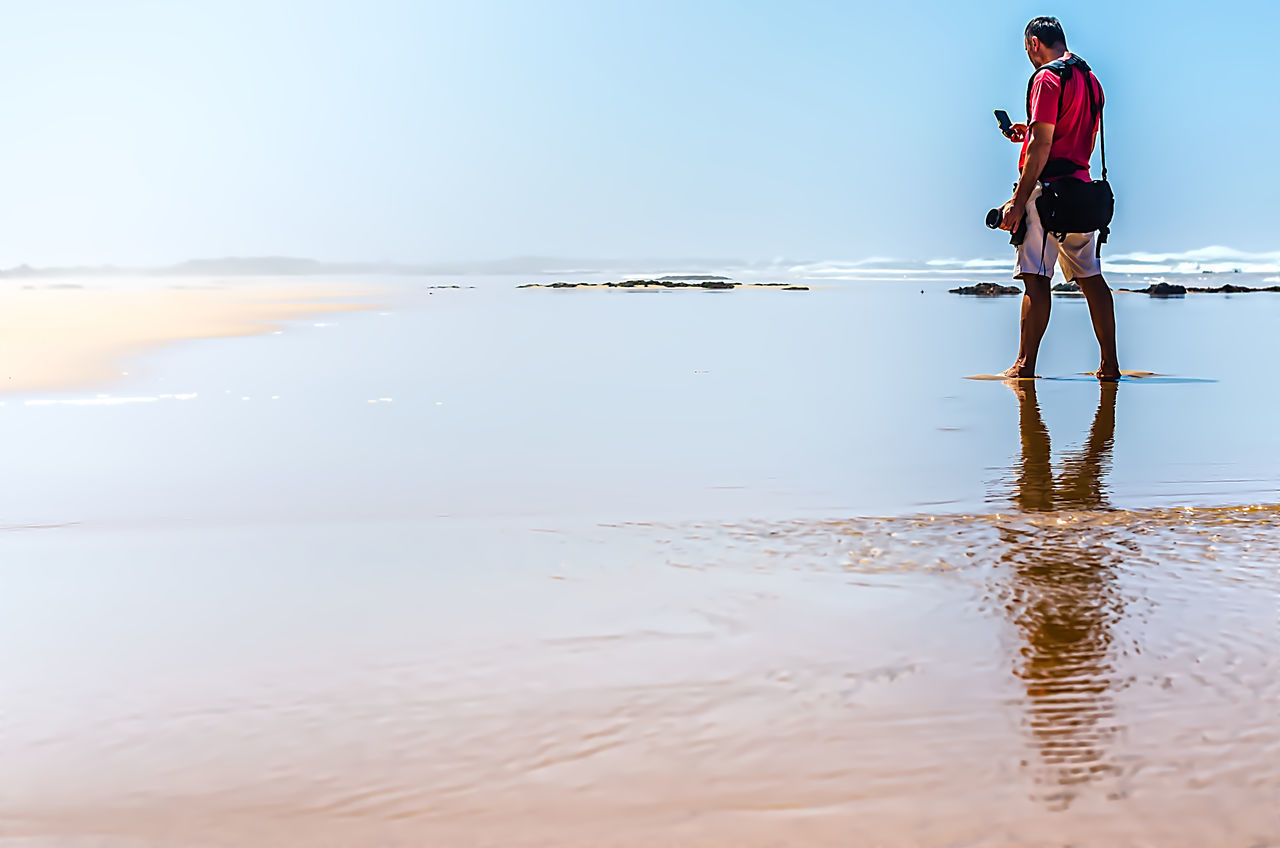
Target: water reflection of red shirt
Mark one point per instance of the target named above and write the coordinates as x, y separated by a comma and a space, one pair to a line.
1073, 126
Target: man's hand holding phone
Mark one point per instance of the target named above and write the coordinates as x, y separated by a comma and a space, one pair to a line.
1014, 132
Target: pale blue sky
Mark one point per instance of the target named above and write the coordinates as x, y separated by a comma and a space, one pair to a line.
151, 132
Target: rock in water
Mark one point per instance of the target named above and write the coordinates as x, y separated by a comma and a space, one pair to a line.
1230, 289
1166, 290
987, 290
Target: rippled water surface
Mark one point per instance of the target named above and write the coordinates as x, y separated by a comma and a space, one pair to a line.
632, 569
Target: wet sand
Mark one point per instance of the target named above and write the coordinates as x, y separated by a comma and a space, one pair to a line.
650, 568
74, 333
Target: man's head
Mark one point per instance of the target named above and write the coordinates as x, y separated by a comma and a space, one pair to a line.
1044, 40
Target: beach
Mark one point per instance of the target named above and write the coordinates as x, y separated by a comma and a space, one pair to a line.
370, 561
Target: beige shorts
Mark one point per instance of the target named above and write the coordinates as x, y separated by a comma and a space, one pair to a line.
1076, 253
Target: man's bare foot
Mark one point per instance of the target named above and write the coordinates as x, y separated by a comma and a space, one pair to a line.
1019, 372
1108, 374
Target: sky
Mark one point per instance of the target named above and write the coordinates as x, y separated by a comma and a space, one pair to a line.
143, 133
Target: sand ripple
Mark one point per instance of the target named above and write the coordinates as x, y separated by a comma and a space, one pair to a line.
1077, 677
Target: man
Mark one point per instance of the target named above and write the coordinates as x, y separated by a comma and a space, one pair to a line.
1062, 128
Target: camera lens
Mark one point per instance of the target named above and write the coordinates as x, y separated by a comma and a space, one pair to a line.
994, 218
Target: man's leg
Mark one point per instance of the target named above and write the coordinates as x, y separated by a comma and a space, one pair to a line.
1036, 301
1103, 312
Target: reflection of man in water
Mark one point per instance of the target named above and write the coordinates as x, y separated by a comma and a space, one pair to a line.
1082, 483
1064, 600
1057, 142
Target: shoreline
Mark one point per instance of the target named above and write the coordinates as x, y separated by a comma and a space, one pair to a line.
75, 336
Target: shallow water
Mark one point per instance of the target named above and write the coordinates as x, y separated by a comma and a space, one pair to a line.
487, 567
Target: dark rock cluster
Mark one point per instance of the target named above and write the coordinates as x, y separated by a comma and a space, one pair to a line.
987, 290
1230, 289
714, 283
634, 284
1165, 290
1174, 290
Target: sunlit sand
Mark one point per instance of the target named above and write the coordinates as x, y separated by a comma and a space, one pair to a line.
82, 333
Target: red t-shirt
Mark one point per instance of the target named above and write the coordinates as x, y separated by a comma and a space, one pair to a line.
1073, 131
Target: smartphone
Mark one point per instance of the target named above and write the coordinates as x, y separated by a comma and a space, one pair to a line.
1006, 126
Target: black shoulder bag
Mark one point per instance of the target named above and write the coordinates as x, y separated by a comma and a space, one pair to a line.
1068, 205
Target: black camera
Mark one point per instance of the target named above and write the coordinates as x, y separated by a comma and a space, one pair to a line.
994, 217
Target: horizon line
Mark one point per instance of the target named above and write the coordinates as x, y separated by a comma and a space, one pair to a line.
1212, 258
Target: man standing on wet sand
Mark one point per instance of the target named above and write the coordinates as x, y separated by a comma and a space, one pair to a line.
1057, 145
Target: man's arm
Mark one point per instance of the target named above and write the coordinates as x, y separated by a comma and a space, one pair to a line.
1037, 156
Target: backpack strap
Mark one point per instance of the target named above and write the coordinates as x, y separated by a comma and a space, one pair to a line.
1102, 139
1060, 68
1097, 109
1095, 112
1063, 69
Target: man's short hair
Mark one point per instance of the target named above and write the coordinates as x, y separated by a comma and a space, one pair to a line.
1048, 30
